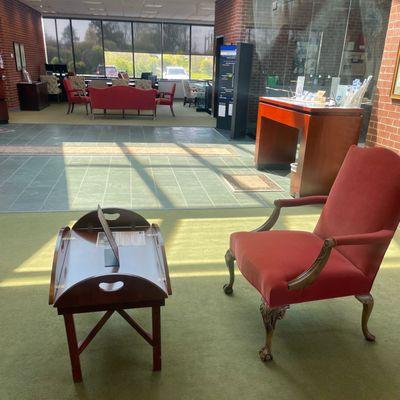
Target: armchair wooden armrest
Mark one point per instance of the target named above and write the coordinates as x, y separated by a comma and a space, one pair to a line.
77, 92
303, 201
307, 277
163, 94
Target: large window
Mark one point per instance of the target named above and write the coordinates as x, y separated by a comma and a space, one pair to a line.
65, 42
148, 48
118, 47
96, 47
202, 67
89, 57
50, 37
176, 48
202, 43
202, 39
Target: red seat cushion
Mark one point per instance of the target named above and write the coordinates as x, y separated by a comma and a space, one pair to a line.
163, 100
80, 99
269, 260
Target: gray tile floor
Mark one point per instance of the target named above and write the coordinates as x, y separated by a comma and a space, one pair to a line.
46, 183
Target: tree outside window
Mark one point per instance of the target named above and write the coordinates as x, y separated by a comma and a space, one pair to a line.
88, 47
118, 46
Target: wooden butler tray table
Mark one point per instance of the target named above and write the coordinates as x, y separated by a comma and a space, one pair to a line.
81, 282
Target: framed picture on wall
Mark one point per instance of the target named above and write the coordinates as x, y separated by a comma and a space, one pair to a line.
395, 92
22, 53
17, 55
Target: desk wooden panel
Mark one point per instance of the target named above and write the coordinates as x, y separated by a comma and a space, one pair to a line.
3, 112
33, 96
324, 135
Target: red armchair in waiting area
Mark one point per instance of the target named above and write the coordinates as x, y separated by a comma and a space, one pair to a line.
167, 99
75, 96
343, 254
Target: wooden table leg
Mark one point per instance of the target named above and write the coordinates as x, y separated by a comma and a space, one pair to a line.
73, 347
156, 338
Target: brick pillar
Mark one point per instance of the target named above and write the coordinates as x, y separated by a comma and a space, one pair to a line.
384, 128
22, 24
233, 18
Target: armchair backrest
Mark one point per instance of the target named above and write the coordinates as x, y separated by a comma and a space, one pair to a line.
78, 82
52, 83
186, 88
98, 83
173, 88
123, 75
364, 198
143, 84
68, 88
120, 82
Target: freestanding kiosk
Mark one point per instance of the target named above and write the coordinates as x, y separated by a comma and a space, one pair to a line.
233, 81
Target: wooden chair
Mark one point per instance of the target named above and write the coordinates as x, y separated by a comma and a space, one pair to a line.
343, 254
167, 99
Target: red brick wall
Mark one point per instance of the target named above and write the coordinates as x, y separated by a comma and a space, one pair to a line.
20, 23
231, 19
384, 128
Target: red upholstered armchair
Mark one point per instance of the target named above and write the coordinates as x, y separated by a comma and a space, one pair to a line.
75, 96
343, 254
167, 99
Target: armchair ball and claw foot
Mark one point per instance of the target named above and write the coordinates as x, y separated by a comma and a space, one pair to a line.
341, 257
230, 263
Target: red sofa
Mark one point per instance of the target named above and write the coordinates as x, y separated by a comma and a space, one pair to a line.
123, 98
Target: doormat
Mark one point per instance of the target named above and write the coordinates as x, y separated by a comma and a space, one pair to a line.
116, 150
6, 130
252, 183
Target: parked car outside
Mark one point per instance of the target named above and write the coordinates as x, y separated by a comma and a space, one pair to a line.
178, 73
110, 71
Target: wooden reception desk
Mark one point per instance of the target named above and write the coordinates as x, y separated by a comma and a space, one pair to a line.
324, 135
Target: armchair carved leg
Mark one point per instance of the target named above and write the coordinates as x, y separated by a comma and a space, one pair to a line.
230, 262
368, 304
270, 316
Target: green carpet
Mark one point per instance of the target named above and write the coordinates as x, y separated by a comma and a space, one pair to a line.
210, 341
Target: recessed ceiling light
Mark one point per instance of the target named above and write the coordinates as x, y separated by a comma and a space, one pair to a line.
96, 9
93, 2
154, 5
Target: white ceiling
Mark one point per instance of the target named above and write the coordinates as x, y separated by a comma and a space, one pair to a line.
182, 10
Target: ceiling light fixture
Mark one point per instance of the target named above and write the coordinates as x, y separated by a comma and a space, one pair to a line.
154, 5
